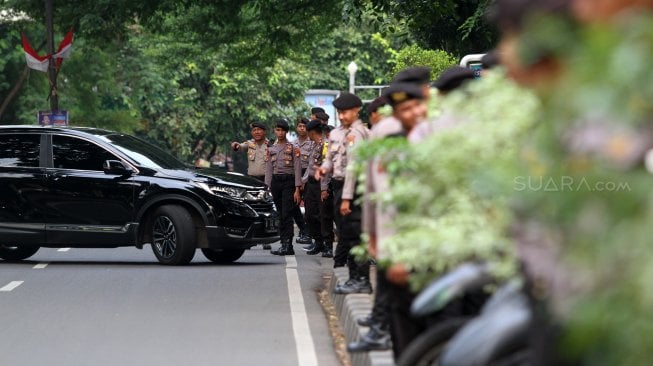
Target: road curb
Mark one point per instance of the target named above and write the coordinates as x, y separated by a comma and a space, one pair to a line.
349, 308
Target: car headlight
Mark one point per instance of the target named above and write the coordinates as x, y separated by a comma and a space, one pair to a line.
223, 190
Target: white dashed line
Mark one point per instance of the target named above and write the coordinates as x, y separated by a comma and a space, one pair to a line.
63, 249
40, 266
12, 285
306, 355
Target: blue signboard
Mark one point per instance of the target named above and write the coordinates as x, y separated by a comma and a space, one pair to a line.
53, 118
323, 99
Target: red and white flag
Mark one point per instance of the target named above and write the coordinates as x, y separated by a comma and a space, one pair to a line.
34, 61
41, 63
65, 47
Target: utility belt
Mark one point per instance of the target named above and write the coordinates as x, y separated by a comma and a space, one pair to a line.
338, 182
283, 177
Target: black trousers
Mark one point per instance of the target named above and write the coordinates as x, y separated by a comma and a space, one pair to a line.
327, 218
349, 235
404, 328
381, 308
297, 214
312, 204
283, 188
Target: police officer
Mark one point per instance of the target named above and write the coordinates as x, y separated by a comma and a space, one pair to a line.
305, 144
283, 176
347, 211
408, 103
315, 111
317, 193
257, 154
256, 149
322, 117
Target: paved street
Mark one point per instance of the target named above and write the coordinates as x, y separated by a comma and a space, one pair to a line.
120, 307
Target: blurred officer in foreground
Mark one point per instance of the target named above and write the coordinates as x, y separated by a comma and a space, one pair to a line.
283, 176
408, 104
347, 210
317, 196
450, 80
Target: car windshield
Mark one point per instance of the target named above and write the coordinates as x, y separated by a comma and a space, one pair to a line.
144, 153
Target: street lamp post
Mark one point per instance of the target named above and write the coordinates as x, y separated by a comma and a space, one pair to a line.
352, 68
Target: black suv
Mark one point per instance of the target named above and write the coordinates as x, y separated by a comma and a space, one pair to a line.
91, 188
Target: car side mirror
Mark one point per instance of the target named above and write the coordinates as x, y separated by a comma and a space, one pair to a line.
116, 167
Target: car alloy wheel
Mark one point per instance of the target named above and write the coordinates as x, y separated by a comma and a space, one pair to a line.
164, 237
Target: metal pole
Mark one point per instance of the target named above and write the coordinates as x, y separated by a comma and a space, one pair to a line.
351, 82
52, 70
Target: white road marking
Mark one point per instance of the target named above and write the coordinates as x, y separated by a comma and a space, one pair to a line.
63, 249
306, 355
11, 285
40, 266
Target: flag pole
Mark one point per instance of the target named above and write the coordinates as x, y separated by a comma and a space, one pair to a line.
52, 71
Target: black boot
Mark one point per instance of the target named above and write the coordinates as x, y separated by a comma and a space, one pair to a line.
327, 250
375, 339
365, 321
302, 238
309, 247
317, 249
285, 249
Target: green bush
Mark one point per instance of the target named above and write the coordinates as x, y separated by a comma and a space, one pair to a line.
437, 60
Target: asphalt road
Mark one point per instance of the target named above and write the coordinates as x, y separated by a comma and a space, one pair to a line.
120, 307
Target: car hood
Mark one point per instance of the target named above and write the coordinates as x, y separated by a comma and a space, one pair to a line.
215, 176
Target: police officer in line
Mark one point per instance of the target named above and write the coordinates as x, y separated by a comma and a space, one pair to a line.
347, 210
317, 196
257, 154
283, 176
322, 117
315, 111
305, 144
408, 103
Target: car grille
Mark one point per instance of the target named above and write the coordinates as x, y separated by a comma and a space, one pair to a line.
262, 202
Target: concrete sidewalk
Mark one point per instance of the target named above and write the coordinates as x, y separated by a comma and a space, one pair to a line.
349, 308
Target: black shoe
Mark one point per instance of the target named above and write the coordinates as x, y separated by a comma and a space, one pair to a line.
327, 251
303, 239
365, 321
267, 246
374, 340
285, 249
317, 249
309, 247
356, 286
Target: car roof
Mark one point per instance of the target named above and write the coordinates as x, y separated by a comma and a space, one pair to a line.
35, 128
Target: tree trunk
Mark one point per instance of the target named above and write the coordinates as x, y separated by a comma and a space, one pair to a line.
14, 91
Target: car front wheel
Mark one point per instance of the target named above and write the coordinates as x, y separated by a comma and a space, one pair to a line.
173, 235
223, 256
17, 253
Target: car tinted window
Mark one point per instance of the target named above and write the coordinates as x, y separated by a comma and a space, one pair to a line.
19, 150
74, 153
144, 153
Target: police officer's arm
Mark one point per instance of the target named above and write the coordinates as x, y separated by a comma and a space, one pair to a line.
239, 146
327, 162
268, 172
369, 208
309, 170
297, 165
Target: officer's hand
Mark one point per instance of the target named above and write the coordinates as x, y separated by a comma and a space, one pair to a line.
324, 195
319, 173
235, 146
345, 207
398, 274
297, 197
371, 247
